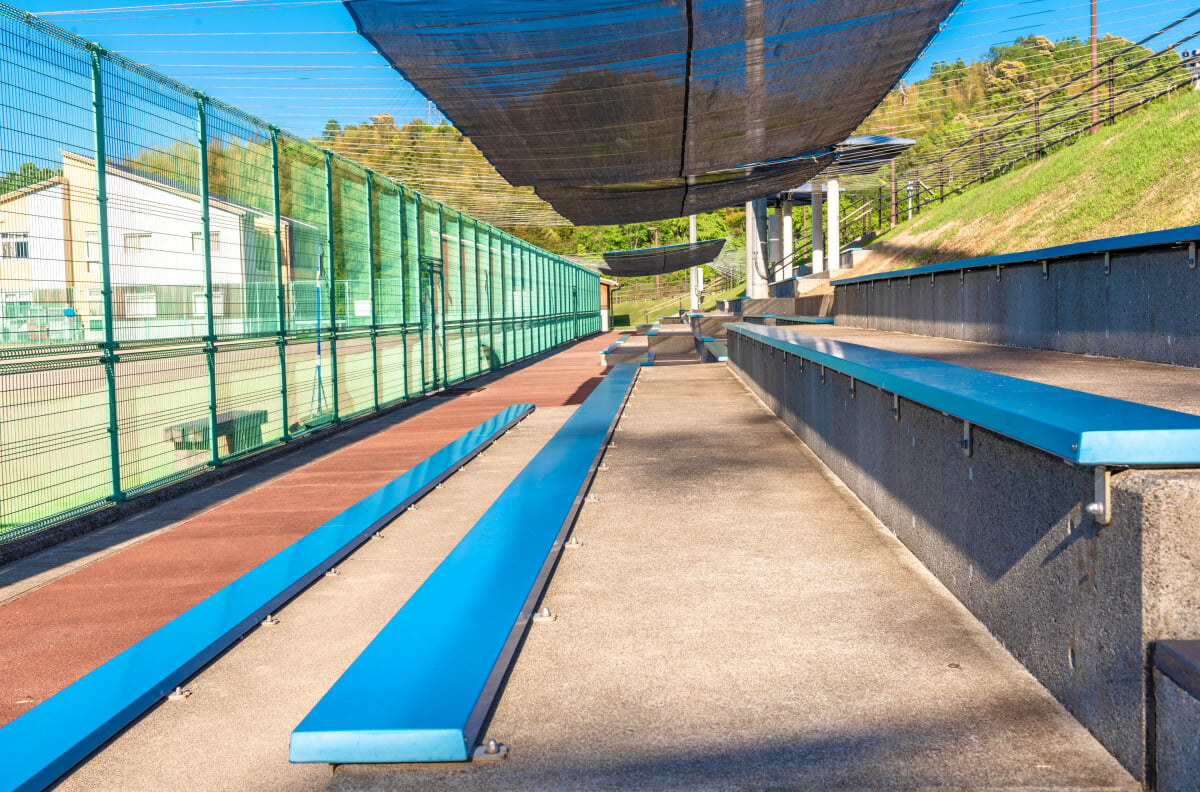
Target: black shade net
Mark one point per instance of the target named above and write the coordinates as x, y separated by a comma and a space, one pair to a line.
645, 98
661, 260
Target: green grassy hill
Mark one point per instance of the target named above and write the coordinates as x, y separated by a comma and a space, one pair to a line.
1138, 175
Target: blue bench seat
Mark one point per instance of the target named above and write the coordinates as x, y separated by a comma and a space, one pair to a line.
779, 320
1080, 427
48, 740
715, 351
421, 689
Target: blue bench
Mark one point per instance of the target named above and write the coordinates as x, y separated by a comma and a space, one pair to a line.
1081, 427
50, 739
786, 320
716, 351
646, 359
422, 688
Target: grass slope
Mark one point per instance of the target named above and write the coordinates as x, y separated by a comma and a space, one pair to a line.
1139, 175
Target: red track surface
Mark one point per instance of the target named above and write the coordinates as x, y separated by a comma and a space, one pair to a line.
54, 635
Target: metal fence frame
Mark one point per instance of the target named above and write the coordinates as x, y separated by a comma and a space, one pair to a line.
473, 300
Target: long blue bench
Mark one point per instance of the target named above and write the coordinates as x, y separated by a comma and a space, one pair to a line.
786, 320
422, 688
48, 740
1081, 427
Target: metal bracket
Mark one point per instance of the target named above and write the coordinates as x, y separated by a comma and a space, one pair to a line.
490, 751
962, 276
544, 615
1045, 270
1101, 506
895, 411
821, 376
967, 446
1192, 255
1108, 263
998, 272
850, 390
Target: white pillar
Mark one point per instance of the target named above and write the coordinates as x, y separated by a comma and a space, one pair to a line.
785, 207
756, 265
818, 239
695, 275
833, 254
774, 242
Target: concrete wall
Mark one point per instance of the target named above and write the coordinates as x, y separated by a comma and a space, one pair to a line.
815, 305
1177, 736
1004, 529
774, 305
1144, 309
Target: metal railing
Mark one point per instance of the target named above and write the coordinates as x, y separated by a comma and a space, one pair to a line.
1124, 82
182, 284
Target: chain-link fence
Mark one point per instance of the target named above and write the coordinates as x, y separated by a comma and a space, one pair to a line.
181, 283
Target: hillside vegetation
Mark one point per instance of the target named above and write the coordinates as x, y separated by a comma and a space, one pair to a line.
1139, 175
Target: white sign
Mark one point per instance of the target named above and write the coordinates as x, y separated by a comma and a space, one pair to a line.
362, 307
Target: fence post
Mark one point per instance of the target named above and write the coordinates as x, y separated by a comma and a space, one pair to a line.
441, 252
981, 158
281, 304
1037, 129
403, 285
371, 277
333, 366
210, 334
462, 295
109, 346
491, 302
1112, 115
504, 292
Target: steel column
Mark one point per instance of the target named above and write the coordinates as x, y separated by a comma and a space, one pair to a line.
210, 335
281, 339
333, 367
371, 277
109, 346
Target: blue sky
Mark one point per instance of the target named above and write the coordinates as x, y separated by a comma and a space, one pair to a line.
298, 63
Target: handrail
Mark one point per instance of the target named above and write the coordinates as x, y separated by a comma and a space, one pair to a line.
1187, 235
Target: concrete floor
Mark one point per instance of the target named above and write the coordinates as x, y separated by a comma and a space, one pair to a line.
736, 619
232, 732
1157, 384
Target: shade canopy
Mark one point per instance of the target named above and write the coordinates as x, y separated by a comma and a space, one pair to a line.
619, 110
661, 260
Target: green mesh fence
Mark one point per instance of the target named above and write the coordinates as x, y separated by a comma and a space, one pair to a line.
181, 283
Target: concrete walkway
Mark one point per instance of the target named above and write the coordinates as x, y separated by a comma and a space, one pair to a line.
737, 620
1157, 384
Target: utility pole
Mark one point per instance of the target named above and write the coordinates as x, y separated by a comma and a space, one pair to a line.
657, 285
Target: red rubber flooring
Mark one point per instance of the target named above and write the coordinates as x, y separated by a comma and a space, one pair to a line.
54, 635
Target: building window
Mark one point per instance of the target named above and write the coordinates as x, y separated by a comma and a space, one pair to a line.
95, 302
91, 244
214, 241
14, 246
135, 243
141, 306
199, 304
